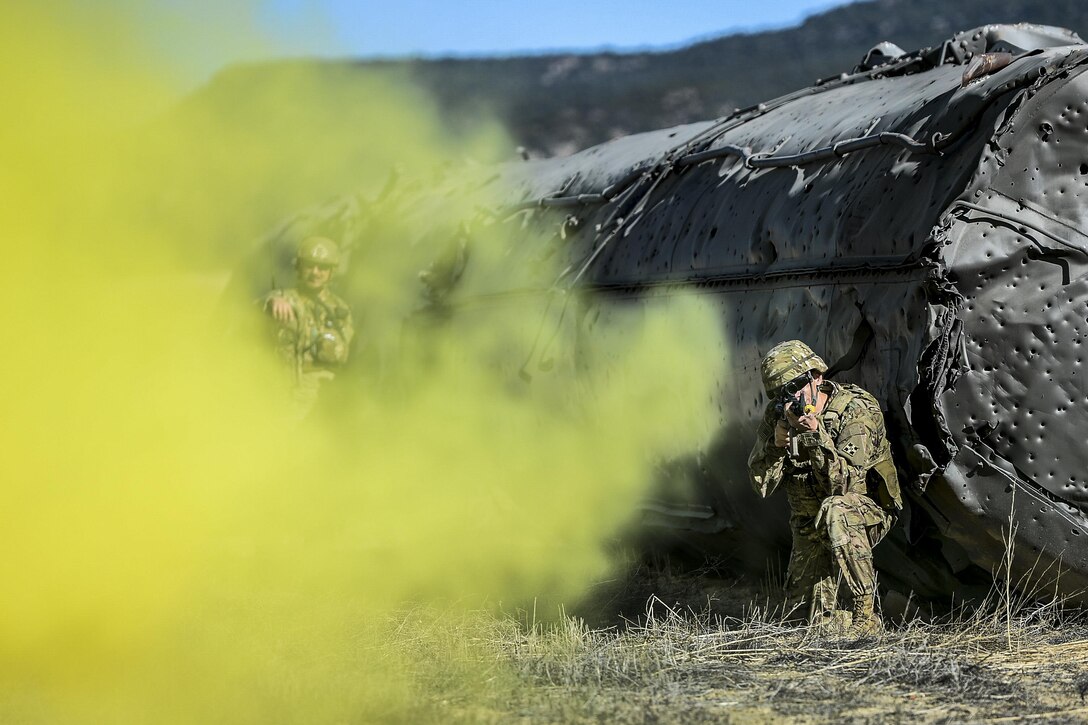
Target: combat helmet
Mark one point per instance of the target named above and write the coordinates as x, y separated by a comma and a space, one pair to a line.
320, 251
786, 361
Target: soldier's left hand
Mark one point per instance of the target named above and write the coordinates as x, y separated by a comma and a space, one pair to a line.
807, 423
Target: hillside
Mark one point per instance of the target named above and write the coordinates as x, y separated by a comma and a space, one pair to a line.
556, 104
282, 136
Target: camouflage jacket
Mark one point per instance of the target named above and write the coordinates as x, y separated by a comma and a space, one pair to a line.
848, 453
320, 336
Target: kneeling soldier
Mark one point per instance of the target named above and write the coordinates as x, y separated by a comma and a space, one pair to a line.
825, 443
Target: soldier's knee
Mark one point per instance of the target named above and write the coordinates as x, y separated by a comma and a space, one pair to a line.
835, 511
836, 514
836, 504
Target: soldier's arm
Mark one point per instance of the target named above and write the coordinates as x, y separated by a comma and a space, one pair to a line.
280, 307
767, 460
839, 463
277, 305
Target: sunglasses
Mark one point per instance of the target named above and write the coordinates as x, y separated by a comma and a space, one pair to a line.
796, 385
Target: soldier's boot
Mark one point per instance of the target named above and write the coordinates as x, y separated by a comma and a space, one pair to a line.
835, 623
866, 622
825, 618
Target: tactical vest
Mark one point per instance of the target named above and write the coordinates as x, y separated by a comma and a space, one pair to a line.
881, 477
320, 336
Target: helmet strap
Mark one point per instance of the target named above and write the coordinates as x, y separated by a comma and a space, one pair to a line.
813, 389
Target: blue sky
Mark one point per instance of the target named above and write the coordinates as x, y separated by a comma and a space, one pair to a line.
487, 27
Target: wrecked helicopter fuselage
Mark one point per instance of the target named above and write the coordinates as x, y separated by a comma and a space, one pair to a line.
922, 223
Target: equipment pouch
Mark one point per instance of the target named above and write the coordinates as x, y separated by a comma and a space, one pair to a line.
331, 349
885, 484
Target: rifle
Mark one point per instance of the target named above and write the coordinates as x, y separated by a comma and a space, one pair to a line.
789, 397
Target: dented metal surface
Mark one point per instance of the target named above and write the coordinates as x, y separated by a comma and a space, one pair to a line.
922, 223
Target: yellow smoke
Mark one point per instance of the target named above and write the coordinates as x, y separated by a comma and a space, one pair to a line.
173, 548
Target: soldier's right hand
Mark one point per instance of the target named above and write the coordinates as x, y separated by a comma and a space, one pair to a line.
281, 309
781, 434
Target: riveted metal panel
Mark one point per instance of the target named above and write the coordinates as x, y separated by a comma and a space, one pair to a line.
923, 226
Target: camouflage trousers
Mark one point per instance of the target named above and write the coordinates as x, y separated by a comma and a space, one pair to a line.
835, 547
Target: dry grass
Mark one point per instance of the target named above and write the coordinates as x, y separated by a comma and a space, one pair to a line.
1005, 658
702, 649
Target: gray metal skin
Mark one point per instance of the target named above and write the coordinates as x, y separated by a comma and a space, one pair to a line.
926, 234
922, 224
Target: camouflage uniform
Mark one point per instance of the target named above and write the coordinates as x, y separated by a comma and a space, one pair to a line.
315, 345
843, 494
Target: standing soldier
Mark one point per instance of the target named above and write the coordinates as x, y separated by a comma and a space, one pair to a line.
313, 325
825, 442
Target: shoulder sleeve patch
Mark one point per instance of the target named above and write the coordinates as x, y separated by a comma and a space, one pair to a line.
855, 449
855, 439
